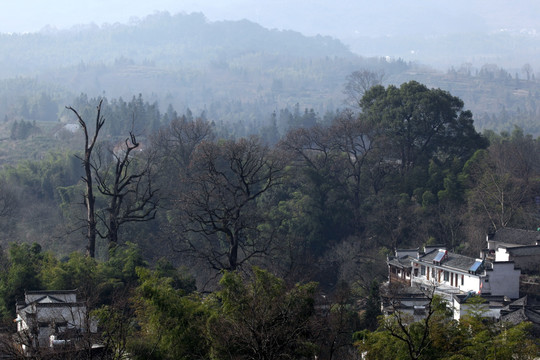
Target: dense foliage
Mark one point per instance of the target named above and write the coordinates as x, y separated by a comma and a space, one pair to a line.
155, 313
311, 199
408, 169
270, 170
438, 336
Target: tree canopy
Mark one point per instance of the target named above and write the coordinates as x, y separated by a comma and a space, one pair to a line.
421, 124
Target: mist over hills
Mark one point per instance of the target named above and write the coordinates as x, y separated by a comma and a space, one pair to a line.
239, 71
183, 60
509, 49
441, 34
179, 149
160, 38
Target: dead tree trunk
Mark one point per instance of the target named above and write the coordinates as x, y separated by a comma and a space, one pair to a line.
89, 198
132, 197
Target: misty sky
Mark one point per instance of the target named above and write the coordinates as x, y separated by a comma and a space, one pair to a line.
339, 18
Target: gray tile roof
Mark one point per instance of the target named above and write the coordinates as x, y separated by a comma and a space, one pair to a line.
523, 309
524, 301
525, 250
492, 300
455, 261
519, 315
515, 236
403, 262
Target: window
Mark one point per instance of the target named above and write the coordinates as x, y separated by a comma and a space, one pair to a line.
462, 279
446, 276
422, 270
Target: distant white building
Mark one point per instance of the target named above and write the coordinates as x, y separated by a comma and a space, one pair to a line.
452, 276
51, 318
453, 273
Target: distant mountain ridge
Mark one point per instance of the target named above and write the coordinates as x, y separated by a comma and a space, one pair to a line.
234, 71
162, 39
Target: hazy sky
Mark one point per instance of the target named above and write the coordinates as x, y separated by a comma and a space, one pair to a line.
339, 18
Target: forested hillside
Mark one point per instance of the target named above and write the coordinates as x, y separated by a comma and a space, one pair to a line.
195, 180
326, 202
235, 71
371, 180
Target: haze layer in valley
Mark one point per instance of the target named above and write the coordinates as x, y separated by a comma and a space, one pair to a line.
440, 34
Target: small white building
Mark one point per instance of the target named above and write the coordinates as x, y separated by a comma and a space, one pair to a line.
49, 318
452, 273
490, 306
452, 276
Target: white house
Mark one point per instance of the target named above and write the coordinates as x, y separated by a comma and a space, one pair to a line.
49, 318
457, 278
400, 266
452, 273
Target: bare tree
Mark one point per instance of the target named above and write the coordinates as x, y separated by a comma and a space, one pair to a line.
89, 198
347, 158
219, 214
415, 335
358, 151
358, 83
495, 192
177, 142
527, 70
309, 147
174, 146
131, 196
450, 218
8, 200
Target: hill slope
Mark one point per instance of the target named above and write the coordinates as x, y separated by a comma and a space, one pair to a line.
234, 71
